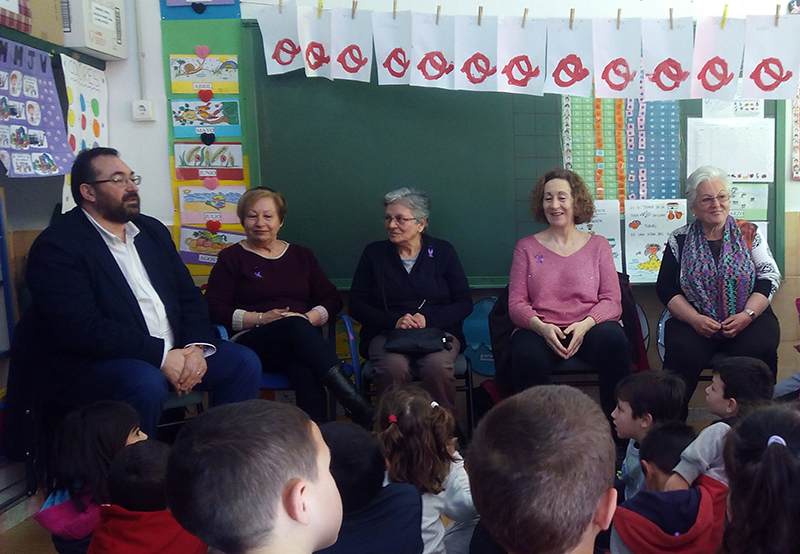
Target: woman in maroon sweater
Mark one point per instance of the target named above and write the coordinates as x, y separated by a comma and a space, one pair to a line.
271, 296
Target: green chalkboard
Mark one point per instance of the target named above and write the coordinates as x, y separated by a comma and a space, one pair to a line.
335, 147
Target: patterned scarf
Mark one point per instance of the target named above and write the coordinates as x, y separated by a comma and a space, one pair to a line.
717, 289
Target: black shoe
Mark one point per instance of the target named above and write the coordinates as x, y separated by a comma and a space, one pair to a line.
346, 394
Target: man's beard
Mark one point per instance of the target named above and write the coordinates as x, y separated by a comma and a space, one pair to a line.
123, 212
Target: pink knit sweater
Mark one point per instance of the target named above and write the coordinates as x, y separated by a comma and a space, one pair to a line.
563, 290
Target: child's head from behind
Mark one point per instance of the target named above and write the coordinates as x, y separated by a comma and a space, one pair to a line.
762, 461
414, 434
541, 469
644, 399
739, 384
254, 475
660, 451
86, 443
137, 480
357, 463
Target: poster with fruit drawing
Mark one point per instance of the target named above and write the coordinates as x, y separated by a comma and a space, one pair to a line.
200, 204
648, 224
605, 222
202, 245
194, 160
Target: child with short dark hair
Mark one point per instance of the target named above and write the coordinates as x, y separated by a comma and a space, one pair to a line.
541, 466
643, 400
377, 519
137, 520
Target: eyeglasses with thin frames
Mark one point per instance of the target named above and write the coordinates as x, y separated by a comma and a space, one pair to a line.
708, 201
400, 220
119, 181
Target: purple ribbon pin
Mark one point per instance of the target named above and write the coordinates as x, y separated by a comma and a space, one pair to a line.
430, 252
257, 272
539, 258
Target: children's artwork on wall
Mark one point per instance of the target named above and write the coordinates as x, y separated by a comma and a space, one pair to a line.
392, 35
222, 160
200, 204
796, 139
35, 139
521, 55
569, 57
648, 224
476, 53
351, 44
87, 94
717, 57
771, 57
202, 246
617, 54
192, 118
606, 223
314, 29
749, 201
192, 73
667, 58
432, 50
278, 26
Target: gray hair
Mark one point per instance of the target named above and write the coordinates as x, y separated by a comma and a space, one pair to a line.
701, 175
415, 200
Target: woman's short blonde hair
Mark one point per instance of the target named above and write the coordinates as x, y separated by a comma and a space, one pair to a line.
583, 204
255, 194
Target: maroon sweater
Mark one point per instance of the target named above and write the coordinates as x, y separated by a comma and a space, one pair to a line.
244, 280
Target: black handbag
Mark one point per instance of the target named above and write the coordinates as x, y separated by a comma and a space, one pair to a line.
417, 341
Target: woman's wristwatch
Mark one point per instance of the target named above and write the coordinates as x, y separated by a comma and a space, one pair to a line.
750, 312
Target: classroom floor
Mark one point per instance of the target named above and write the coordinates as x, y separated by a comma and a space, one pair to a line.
26, 538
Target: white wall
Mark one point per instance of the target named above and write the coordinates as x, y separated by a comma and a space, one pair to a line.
145, 148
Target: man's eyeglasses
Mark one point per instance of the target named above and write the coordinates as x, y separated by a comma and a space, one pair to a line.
708, 201
119, 181
400, 220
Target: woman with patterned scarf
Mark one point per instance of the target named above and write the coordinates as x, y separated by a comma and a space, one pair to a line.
717, 279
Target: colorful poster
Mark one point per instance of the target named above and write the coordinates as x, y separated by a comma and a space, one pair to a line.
202, 246
87, 94
279, 33
717, 57
204, 72
652, 146
351, 44
199, 204
192, 118
667, 58
569, 57
222, 160
33, 138
648, 224
392, 36
432, 50
771, 57
749, 201
476, 53
617, 54
606, 223
314, 30
521, 55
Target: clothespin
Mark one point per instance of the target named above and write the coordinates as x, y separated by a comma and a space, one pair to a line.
777, 13
619, 16
724, 17
280, 6
438, 12
524, 17
480, 15
319, 9
571, 17
353, 13
671, 25
394, 10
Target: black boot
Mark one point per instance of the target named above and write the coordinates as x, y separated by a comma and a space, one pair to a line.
346, 393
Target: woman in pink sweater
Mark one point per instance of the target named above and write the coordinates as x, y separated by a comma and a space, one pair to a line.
564, 295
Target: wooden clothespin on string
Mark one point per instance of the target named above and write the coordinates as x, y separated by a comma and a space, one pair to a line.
571, 17
353, 12
319, 9
280, 6
671, 23
524, 17
480, 15
724, 17
394, 10
777, 14
438, 12
619, 16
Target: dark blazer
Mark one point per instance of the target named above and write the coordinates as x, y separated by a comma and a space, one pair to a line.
83, 309
383, 291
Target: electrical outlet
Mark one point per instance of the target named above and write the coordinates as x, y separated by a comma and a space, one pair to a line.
143, 110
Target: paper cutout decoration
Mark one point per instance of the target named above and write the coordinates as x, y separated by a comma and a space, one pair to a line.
648, 224
281, 42
202, 246
392, 37
569, 57
192, 73
475, 53
605, 222
315, 41
717, 57
191, 118
432, 51
196, 161
32, 133
771, 57
351, 44
205, 95
521, 55
201, 204
617, 57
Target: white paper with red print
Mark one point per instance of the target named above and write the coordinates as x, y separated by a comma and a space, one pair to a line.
717, 58
476, 53
392, 36
617, 57
315, 40
569, 57
432, 51
281, 41
771, 57
521, 55
667, 58
351, 44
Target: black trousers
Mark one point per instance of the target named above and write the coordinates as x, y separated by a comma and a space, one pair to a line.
604, 350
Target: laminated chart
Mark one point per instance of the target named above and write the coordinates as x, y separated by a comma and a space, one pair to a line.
652, 145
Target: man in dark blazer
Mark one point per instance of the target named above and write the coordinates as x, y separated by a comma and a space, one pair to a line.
115, 312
